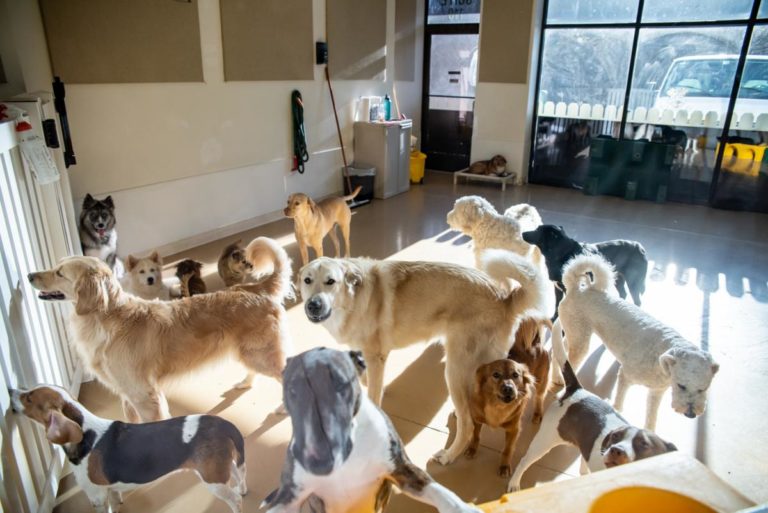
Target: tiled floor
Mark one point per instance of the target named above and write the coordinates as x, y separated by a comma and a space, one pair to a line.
709, 281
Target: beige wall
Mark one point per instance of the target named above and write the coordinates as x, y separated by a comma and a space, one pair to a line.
189, 162
504, 95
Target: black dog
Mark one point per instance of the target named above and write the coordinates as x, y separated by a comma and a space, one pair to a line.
628, 257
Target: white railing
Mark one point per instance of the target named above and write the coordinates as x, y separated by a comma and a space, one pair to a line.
35, 231
682, 118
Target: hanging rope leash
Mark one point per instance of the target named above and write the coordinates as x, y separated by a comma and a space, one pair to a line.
300, 153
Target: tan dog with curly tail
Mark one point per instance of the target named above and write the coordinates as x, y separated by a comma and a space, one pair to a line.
312, 221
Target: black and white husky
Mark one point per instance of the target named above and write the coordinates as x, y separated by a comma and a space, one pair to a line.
98, 236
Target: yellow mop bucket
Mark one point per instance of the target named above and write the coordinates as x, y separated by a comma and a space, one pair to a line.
418, 162
743, 158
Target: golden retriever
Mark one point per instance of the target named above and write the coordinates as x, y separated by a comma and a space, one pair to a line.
378, 306
131, 345
313, 221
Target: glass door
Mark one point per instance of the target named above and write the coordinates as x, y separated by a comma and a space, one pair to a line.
450, 77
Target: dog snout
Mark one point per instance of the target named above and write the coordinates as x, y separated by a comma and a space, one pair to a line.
507, 389
617, 451
151, 280
31, 277
690, 413
15, 395
314, 305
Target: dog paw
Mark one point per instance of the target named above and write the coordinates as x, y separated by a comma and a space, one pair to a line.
513, 487
441, 457
243, 385
470, 453
505, 471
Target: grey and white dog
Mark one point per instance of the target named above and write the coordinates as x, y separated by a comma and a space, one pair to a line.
344, 454
98, 236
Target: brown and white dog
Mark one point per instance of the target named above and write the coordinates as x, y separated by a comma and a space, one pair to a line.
582, 419
313, 221
144, 277
132, 345
502, 390
110, 457
233, 267
497, 166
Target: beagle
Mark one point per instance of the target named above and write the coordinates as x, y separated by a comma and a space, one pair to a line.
109, 456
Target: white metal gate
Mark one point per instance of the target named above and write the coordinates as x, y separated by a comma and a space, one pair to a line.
36, 230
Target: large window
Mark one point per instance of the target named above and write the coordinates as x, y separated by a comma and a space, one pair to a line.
634, 92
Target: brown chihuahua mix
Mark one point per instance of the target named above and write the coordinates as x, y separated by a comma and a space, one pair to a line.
528, 349
189, 272
312, 221
499, 398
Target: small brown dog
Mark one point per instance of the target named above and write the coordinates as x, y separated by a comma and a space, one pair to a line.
312, 221
189, 272
233, 266
497, 166
498, 399
528, 349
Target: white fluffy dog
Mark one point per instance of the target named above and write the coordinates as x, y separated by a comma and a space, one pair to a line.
476, 217
650, 353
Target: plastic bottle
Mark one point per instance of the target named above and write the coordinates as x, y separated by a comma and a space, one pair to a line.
387, 108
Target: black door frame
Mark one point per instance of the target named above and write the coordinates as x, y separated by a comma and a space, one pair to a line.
637, 25
429, 31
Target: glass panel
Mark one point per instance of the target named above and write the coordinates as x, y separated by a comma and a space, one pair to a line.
583, 82
453, 65
743, 180
453, 11
763, 12
592, 11
680, 93
696, 10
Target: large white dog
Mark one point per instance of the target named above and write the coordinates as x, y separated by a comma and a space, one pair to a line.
650, 353
476, 217
378, 306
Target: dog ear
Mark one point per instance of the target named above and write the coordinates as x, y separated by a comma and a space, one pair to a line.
667, 360
130, 263
62, 430
529, 380
88, 202
607, 440
109, 203
353, 276
155, 257
670, 446
357, 359
312, 205
91, 293
715, 368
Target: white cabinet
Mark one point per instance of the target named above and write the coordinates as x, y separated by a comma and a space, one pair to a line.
385, 146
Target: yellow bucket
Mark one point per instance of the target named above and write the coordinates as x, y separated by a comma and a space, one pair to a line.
418, 162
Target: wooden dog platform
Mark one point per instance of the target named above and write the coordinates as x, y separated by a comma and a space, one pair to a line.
503, 180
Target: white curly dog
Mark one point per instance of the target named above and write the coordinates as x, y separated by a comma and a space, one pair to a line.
650, 353
476, 217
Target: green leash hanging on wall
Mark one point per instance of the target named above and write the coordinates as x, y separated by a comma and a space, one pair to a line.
300, 153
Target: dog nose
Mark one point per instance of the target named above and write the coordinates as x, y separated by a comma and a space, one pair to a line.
314, 305
151, 280
31, 277
690, 413
507, 389
616, 451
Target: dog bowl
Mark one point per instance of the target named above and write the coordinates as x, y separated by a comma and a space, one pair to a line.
641, 499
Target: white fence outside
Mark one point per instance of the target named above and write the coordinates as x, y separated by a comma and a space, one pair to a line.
642, 115
36, 230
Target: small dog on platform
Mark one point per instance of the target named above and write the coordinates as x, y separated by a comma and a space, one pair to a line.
233, 267
109, 457
313, 221
496, 166
189, 273
144, 277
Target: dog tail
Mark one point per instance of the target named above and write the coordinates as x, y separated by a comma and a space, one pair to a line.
580, 267
571, 381
352, 196
502, 266
264, 253
531, 331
